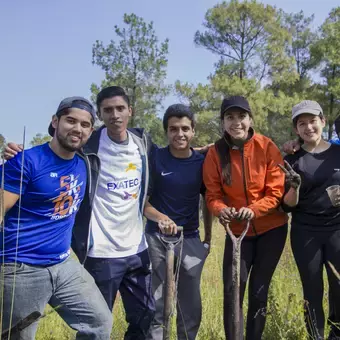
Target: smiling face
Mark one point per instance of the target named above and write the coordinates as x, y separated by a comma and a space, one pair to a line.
309, 127
180, 133
236, 123
72, 129
115, 113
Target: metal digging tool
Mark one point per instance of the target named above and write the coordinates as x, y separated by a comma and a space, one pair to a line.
171, 278
236, 269
14, 332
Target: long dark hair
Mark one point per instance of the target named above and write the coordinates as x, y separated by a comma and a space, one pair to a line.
223, 150
223, 146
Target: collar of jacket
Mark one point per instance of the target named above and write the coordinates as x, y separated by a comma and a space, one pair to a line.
232, 146
92, 145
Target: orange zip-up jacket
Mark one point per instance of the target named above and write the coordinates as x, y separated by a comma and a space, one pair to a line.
256, 182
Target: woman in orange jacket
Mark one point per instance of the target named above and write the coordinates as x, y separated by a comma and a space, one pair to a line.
243, 183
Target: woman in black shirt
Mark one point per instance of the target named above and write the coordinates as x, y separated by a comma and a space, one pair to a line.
313, 197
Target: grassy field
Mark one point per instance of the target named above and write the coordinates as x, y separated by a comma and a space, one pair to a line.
284, 315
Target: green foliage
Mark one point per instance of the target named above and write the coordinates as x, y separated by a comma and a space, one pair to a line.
273, 58
326, 52
284, 313
269, 57
258, 45
154, 126
299, 26
250, 40
271, 111
39, 139
136, 61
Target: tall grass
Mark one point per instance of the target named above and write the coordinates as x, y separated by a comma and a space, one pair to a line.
284, 314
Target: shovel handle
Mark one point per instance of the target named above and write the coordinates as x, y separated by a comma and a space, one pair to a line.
238, 240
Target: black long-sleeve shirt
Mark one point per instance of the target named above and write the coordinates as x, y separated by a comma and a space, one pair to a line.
318, 172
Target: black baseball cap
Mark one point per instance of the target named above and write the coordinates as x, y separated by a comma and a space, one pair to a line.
234, 101
74, 102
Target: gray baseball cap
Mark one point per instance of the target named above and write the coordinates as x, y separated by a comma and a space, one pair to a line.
306, 106
73, 102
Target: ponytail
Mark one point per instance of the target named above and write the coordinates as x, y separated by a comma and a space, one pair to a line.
223, 151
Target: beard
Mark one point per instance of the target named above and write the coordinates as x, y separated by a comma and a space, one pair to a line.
66, 144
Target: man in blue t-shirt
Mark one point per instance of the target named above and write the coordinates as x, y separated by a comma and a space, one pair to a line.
43, 188
174, 193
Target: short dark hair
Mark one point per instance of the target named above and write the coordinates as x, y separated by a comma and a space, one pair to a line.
178, 111
295, 120
110, 92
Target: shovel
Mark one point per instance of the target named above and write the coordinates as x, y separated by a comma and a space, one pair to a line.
236, 270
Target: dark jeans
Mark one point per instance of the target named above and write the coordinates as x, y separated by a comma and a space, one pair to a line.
130, 275
66, 285
312, 251
259, 257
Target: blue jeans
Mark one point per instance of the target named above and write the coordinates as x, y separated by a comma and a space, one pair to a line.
131, 275
66, 284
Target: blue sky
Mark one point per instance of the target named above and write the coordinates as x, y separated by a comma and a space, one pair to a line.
46, 49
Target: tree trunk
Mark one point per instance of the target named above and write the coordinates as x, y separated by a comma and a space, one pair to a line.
242, 52
133, 106
330, 129
331, 107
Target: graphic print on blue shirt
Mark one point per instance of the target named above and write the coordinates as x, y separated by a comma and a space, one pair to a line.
175, 187
52, 191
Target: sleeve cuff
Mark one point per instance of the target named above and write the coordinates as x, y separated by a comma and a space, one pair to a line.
12, 189
286, 208
255, 210
217, 209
